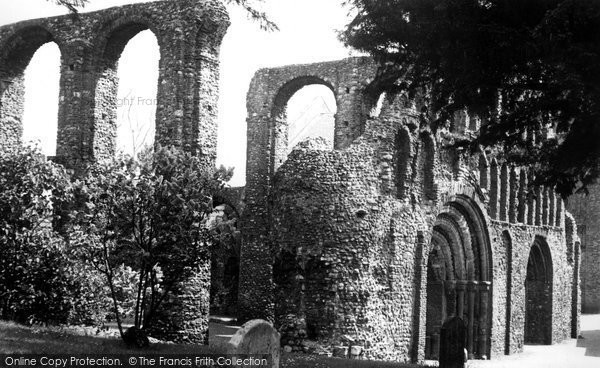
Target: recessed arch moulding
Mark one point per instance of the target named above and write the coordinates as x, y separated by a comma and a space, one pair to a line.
387, 235
189, 34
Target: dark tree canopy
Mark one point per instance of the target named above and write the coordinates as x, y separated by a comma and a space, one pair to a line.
529, 69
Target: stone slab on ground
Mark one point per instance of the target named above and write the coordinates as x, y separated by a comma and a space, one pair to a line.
219, 334
256, 337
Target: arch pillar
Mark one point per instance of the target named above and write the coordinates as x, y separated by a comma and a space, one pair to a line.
461, 287
472, 288
74, 144
484, 290
451, 297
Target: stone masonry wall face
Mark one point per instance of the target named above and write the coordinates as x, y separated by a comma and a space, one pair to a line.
349, 248
522, 239
585, 209
189, 34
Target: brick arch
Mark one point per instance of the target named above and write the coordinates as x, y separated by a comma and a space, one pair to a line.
113, 36
16, 53
457, 236
480, 239
180, 120
441, 253
278, 126
290, 87
19, 47
110, 44
470, 254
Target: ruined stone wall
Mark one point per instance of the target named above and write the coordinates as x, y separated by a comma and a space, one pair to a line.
508, 334
585, 210
349, 232
270, 90
189, 34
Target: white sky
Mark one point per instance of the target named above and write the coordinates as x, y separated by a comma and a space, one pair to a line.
307, 35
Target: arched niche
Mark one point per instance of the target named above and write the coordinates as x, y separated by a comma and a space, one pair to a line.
427, 165
403, 152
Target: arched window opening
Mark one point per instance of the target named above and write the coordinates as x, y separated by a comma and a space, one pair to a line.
40, 110
311, 114
137, 93
376, 110
427, 167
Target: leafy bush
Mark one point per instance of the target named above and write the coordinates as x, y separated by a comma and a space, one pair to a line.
121, 237
38, 280
149, 215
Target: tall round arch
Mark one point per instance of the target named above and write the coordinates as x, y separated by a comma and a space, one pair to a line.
113, 40
279, 128
15, 55
538, 294
459, 270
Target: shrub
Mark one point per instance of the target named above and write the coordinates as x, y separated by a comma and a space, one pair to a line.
150, 215
38, 280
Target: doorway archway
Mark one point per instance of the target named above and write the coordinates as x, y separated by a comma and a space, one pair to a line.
538, 294
459, 277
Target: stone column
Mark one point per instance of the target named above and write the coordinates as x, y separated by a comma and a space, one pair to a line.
472, 286
484, 289
450, 289
460, 292
74, 144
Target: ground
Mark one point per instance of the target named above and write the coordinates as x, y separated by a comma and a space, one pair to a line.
576, 353
580, 353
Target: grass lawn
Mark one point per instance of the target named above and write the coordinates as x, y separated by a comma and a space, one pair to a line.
15, 338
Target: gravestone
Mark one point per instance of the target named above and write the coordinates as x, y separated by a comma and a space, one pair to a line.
453, 342
256, 337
